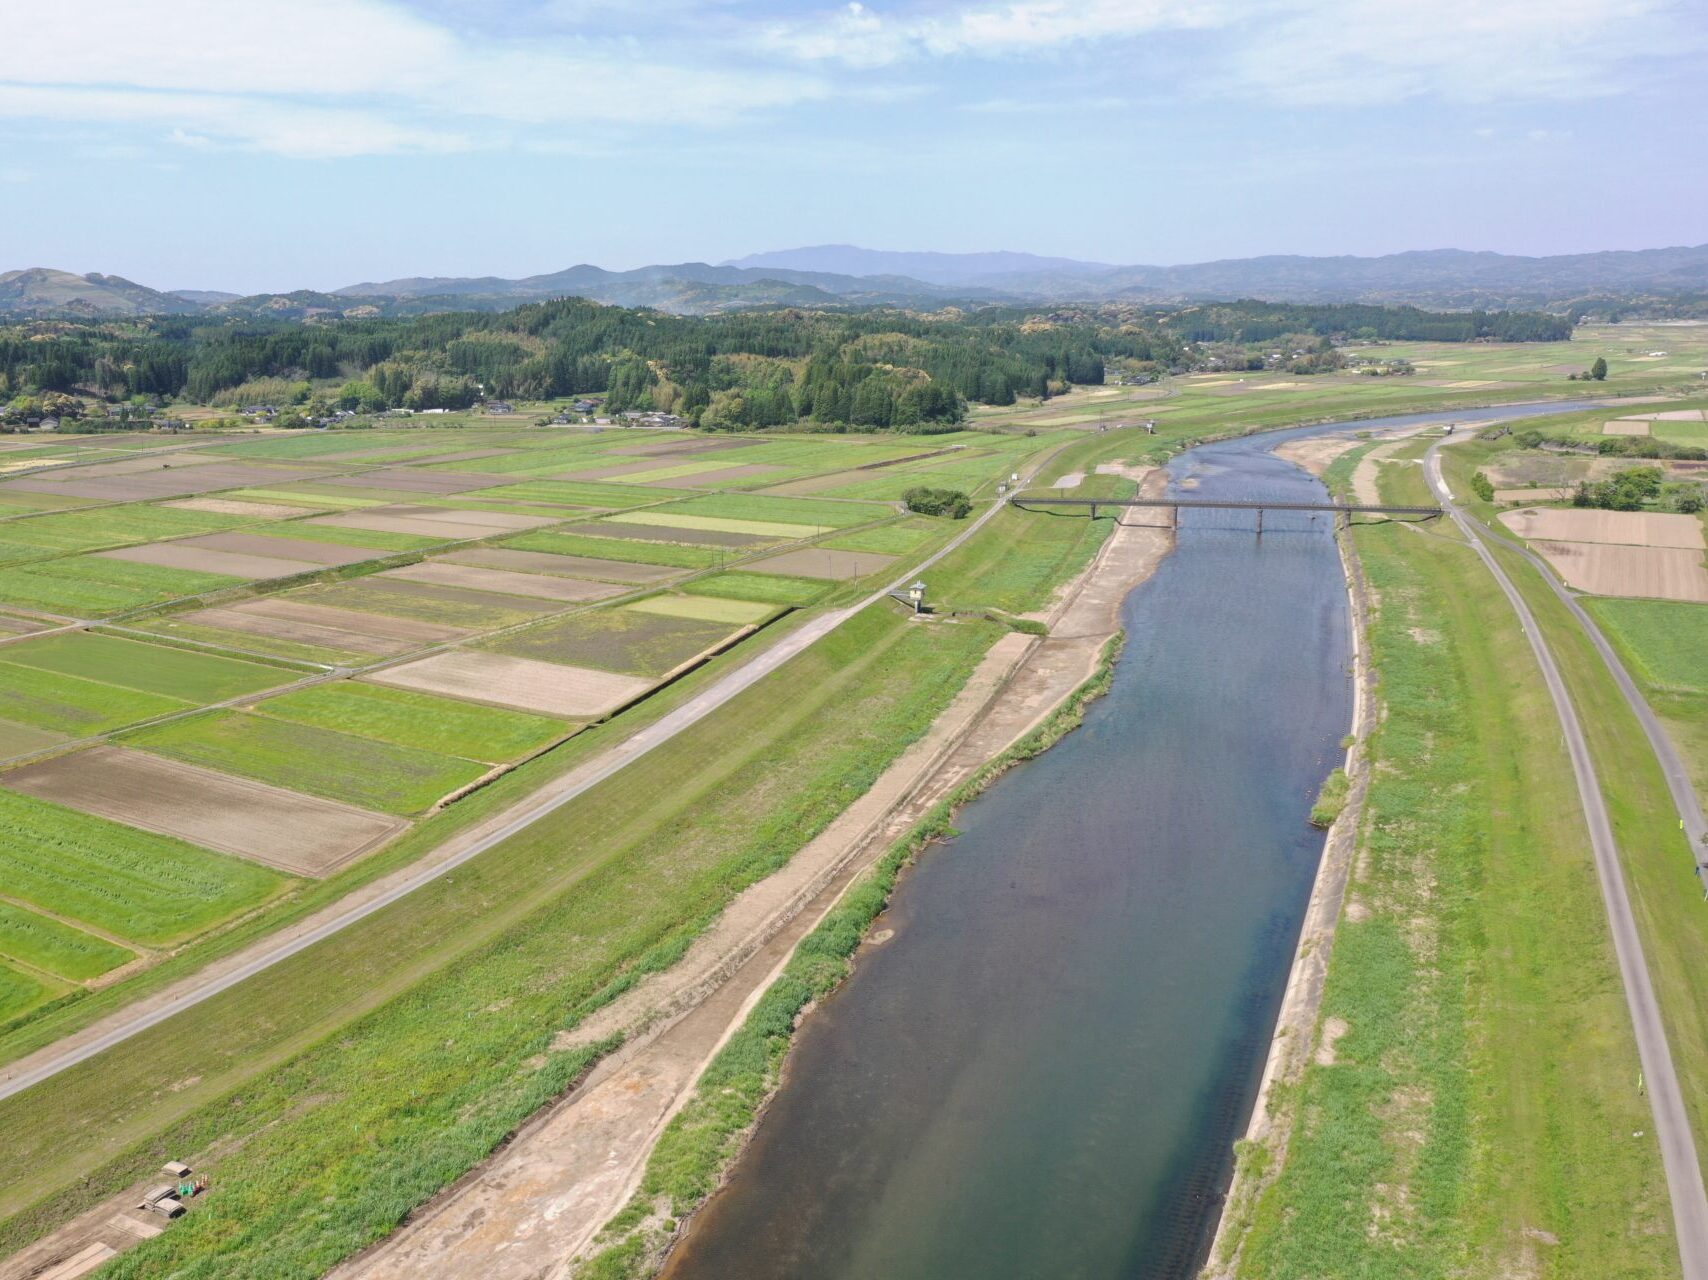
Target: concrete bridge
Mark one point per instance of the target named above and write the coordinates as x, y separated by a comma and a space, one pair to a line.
1174, 506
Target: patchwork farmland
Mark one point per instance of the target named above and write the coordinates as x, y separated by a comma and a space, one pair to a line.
234, 669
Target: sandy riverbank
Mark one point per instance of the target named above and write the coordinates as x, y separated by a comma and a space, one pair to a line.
536, 1205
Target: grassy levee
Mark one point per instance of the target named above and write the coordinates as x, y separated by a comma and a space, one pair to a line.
1474, 1110
1659, 865
331, 1116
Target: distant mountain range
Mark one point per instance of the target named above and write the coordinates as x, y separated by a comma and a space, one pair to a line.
847, 276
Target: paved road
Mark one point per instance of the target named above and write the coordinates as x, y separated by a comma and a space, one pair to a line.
1672, 1123
228, 972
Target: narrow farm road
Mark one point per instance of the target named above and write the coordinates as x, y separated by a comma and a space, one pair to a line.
1666, 1099
231, 970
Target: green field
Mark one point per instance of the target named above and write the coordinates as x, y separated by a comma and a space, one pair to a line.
891, 539
1666, 642
93, 586
619, 640
74, 531
675, 519
146, 668
571, 493
19, 993
1481, 1095
442, 1075
617, 547
132, 884
72, 705
323, 762
408, 719
449, 606
765, 588
58, 948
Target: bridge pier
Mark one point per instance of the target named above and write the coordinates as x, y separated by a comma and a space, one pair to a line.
1260, 522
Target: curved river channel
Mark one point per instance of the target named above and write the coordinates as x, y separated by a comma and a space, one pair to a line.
1042, 1073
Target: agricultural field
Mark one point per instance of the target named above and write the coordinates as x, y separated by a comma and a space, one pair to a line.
128, 883
627, 641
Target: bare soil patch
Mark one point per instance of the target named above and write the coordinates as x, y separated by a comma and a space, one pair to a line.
1314, 453
409, 480
543, 585
1625, 428
171, 482
296, 833
422, 600
1631, 528
821, 562
523, 683
565, 566
177, 555
383, 626
1532, 495
254, 544
1659, 573
235, 507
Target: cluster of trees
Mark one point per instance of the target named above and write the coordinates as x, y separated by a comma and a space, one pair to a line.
1628, 490
1597, 372
870, 369
937, 502
1250, 321
1618, 446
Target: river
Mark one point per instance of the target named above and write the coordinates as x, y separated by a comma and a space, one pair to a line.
1041, 1072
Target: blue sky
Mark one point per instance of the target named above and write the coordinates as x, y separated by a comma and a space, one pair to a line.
273, 144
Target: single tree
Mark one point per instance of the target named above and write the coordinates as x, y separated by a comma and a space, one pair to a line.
1598, 370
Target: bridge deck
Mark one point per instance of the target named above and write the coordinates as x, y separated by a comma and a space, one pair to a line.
1255, 504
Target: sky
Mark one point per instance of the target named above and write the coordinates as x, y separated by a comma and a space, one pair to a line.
261, 145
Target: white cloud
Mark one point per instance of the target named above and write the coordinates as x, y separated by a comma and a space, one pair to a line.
1295, 52
860, 36
1346, 52
329, 78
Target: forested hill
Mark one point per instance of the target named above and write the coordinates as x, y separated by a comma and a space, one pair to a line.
873, 368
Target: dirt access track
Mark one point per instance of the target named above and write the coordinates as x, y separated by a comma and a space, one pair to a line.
530, 1210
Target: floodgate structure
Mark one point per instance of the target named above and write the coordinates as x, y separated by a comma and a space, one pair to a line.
358, 787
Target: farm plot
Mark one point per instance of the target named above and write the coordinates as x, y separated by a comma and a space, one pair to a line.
822, 562
20, 992
404, 718
1668, 641
763, 588
176, 555
560, 565
746, 476
44, 943
21, 739
1632, 528
75, 706
891, 539
685, 521
175, 807
445, 523
97, 587
647, 532
364, 772
136, 885
523, 683
818, 515
545, 586
411, 480
300, 629
566, 493
627, 641
739, 613
610, 542
69, 532
442, 606
145, 668
167, 482
1603, 569
238, 507
276, 545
